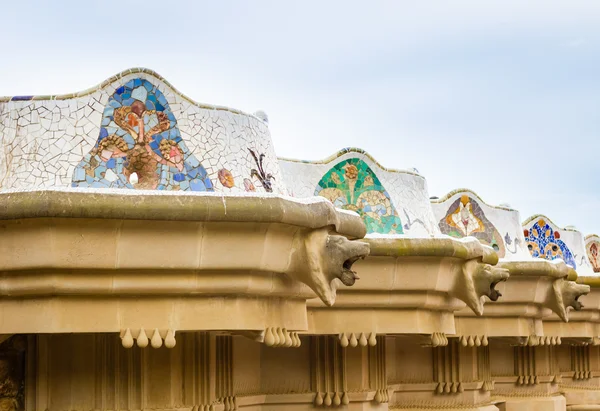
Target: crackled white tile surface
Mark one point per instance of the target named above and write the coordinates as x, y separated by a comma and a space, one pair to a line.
43, 140
407, 190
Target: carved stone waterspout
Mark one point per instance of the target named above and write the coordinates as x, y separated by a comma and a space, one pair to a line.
566, 294
476, 281
320, 258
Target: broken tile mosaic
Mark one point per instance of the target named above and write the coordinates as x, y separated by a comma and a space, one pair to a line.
406, 189
465, 217
352, 185
70, 140
592, 247
544, 242
140, 146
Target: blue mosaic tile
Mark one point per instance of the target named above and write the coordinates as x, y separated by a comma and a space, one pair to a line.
140, 136
21, 98
544, 242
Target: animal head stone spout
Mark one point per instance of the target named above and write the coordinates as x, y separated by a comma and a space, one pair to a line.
341, 250
566, 294
571, 293
325, 258
478, 279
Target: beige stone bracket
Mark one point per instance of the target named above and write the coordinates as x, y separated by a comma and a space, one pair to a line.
155, 338
527, 380
582, 375
484, 366
328, 372
446, 369
525, 365
439, 340
230, 403
473, 340
274, 337
357, 339
280, 337
447, 387
581, 362
331, 399
537, 340
488, 385
382, 396
378, 372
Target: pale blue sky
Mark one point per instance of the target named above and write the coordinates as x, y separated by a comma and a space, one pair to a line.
502, 97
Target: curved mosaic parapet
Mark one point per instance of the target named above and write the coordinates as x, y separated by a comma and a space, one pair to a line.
463, 213
133, 131
391, 202
592, 248
546, 240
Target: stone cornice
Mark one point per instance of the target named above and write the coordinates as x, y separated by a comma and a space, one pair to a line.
168, 262
172, 206
411, 286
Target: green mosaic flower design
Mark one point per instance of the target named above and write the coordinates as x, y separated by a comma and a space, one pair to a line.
352, 185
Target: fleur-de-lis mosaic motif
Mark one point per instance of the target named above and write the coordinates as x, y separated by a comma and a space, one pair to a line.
260, 174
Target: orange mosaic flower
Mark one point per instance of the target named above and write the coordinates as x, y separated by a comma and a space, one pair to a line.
226, 178
351, 172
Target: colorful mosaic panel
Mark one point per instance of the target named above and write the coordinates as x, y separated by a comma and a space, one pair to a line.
544, 242
140, 146
352, 185
592, 247
466, 218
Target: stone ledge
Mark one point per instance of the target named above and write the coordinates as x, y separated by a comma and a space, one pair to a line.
156, 205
